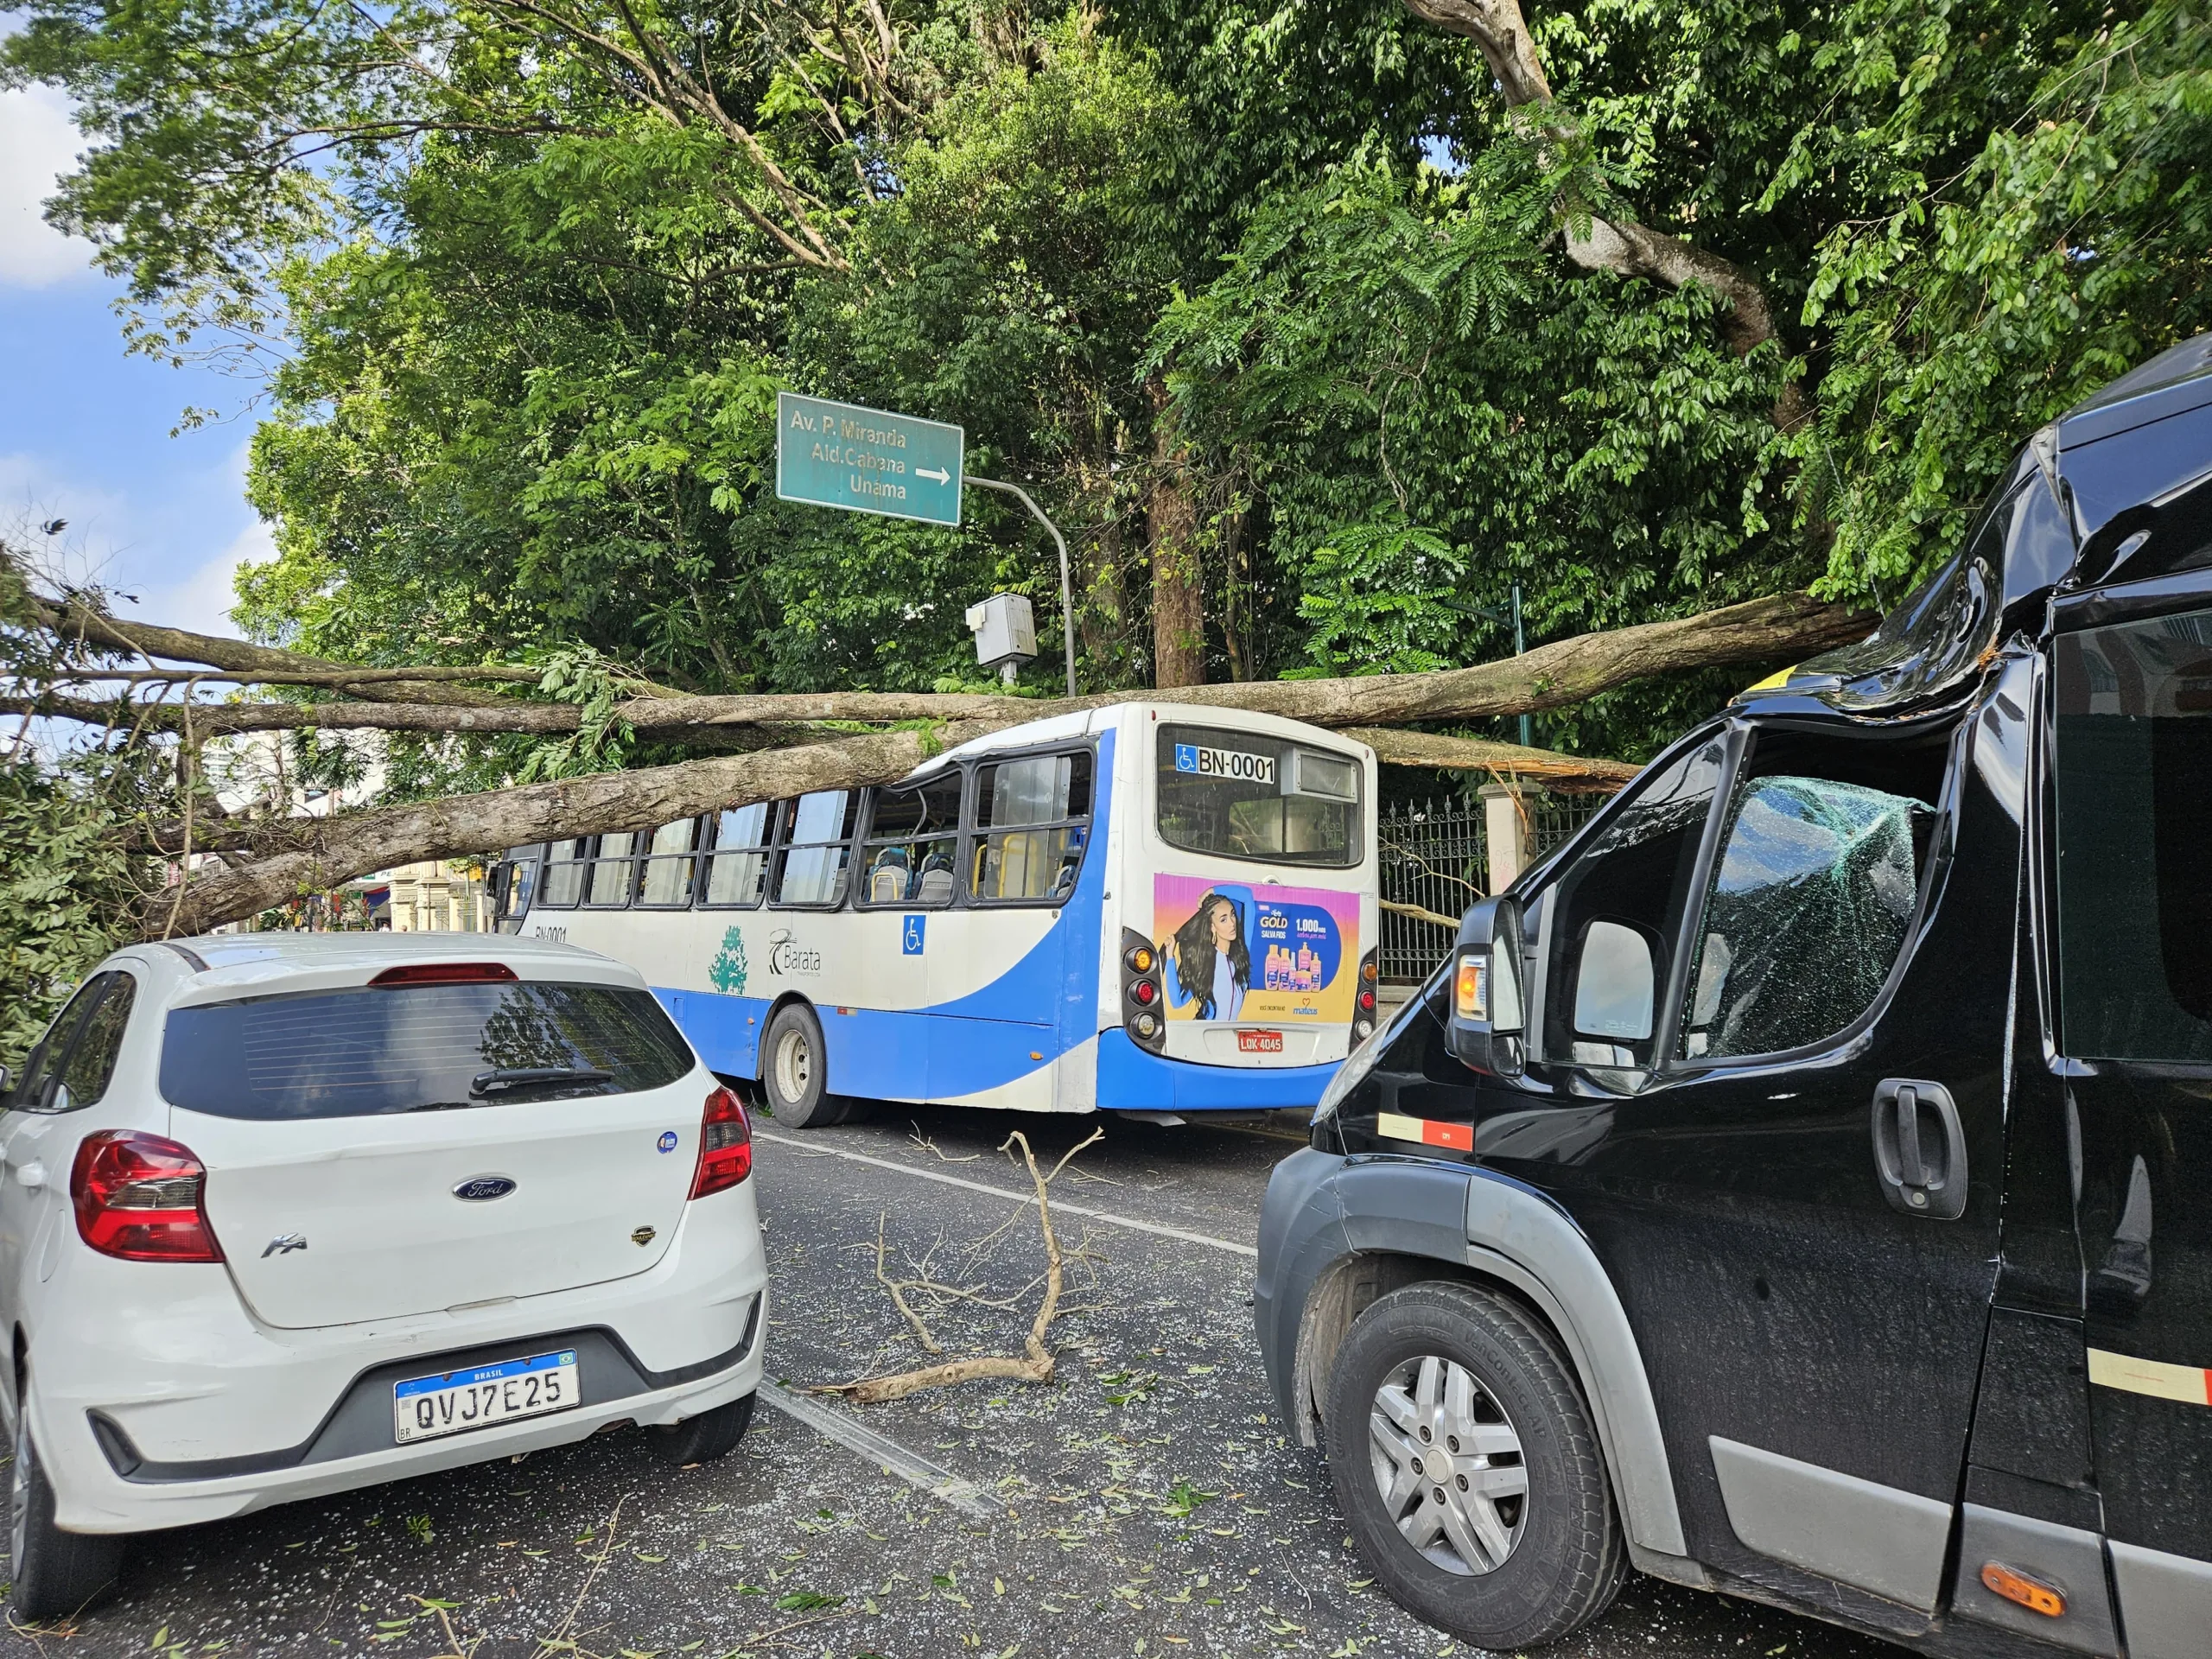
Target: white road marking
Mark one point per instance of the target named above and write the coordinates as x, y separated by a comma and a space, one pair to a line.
1059, 1206
891, 1458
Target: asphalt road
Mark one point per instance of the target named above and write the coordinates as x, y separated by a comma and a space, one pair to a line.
1144, 1503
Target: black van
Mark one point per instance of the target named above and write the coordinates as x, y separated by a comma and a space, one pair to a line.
1800, 1185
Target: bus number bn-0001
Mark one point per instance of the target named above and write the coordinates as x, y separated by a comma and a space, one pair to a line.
1224, 763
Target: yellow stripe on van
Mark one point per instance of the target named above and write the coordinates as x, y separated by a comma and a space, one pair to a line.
2189, 1383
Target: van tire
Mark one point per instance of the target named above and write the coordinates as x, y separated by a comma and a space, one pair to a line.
795, 1070
51, 1573
1567, 1555
713, 1434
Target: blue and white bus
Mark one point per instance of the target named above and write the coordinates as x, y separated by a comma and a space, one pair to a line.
1145, 907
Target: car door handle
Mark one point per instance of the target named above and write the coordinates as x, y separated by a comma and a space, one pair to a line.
1920, 1148
30, 1174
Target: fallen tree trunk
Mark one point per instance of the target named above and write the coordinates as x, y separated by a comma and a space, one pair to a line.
1571, 774
1551, 677
273, 665
280, 859
269, 860
293, 856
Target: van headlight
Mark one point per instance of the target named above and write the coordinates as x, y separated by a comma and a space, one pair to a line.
1356, 1065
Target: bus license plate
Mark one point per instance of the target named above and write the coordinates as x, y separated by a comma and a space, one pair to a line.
1259, 1042
423, 1408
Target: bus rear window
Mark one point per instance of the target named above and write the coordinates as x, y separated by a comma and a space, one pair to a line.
1247, 795
364, 1051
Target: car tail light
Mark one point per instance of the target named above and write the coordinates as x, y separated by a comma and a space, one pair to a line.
725, 1145
1145, 992
447, 973
141, 1198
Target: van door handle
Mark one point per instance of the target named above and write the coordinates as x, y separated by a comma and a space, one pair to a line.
1920, 1148
30, 1174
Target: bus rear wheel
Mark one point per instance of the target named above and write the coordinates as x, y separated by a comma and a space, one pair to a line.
795, 1071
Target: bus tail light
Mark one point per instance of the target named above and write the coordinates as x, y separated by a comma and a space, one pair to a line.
1143, 993
725, 1145
1363, 1000
141, 1198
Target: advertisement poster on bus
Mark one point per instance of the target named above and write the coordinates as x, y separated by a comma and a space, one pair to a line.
1230, 951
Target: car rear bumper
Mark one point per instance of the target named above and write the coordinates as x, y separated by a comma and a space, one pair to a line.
177, 1407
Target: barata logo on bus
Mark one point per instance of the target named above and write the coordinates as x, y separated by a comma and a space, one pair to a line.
787, 956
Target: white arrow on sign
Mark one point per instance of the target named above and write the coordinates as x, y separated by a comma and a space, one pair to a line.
937, 473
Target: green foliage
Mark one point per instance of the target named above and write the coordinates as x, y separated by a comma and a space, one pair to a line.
1299, 266
2075, 242
1383, 599
1393, 348
63, 881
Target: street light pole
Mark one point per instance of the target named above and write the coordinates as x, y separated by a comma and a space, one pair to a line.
1067, 587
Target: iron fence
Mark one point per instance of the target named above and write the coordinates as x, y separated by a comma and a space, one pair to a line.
1435, 860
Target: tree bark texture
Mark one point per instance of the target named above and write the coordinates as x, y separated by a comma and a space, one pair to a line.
302, 856
1778, 629
1179, 616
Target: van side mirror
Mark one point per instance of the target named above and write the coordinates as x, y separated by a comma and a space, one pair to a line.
1484, 1029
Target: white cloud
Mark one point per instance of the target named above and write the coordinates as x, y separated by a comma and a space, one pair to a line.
38, 141
202, 601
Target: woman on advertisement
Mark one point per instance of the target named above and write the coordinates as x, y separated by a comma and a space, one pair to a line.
1212, 964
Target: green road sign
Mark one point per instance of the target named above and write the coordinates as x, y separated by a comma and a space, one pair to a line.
867, 460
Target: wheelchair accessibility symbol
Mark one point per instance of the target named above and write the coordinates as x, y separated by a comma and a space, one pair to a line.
911, 938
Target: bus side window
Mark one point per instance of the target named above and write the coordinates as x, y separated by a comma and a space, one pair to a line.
613, 872
817, 851
737, 870
1033, 822
908, 855
668, 865
564, 875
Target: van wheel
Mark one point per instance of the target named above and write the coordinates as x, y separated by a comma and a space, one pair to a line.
794, 1071
51, 1573
713, 1434
1465, 1461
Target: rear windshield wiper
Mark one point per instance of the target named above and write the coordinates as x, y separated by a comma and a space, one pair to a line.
509, 1077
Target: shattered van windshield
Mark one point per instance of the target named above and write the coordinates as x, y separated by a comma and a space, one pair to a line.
1807, 911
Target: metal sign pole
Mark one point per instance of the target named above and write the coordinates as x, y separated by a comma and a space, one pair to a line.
1067, 587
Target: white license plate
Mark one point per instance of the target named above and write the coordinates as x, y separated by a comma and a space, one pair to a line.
423, 1408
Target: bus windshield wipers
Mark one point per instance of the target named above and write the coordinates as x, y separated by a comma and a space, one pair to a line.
509, 1077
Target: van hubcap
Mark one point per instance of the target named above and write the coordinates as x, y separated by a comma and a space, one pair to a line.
794, 1066
1447, 1463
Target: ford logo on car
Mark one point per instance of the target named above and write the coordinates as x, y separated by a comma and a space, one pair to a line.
482, 1189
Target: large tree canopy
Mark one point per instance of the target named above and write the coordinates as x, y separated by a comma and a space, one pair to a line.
1323, 328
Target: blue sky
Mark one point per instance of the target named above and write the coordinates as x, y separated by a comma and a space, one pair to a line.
84, 435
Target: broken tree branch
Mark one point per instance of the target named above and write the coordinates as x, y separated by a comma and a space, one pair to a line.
1035, 1364
1552, 676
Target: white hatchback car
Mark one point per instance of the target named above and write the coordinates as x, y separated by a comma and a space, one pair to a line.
285, 1214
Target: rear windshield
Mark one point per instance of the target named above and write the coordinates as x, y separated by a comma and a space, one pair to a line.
359, 1052
1247, 795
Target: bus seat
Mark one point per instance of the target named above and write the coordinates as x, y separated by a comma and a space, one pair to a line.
888, 879
934, 885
